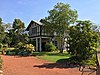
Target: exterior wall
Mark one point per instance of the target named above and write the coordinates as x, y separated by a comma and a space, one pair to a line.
34, 30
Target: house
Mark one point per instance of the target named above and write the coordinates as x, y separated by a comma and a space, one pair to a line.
38, 34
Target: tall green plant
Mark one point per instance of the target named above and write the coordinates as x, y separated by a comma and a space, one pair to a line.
83, 40
50, 47
17, 32
2, 34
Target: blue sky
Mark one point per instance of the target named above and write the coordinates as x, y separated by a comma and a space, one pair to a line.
28, 10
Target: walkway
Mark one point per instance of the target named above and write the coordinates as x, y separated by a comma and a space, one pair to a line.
14, 65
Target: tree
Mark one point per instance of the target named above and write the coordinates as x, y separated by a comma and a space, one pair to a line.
83, 40
2, 35
60, 17
7, 39
7, 27
18, 24
16, 33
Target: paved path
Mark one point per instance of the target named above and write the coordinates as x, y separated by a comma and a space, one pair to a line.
14, 65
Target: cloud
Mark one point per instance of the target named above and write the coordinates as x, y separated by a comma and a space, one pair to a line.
22, 2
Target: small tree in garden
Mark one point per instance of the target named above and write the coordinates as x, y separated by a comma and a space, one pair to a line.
50, 47
20, 45
83, 40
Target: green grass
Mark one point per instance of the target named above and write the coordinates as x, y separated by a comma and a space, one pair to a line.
51, 56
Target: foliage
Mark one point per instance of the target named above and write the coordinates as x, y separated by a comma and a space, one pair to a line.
7, 39
83, 40
7, 26
29, 47
25, 47
1, 45
20, 45
9, 35
21, 49
2, 35
1, 27
18, 24
50, 47
32, 42
60, 17
17, 32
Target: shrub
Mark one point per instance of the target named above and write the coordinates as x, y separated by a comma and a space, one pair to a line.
50, 47
83, 39
23, 53
12, 52
1, 45
29, 47
20, 45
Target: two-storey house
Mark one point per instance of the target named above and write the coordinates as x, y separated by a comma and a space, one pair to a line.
38, 34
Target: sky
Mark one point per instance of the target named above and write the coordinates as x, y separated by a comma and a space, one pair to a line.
28, 10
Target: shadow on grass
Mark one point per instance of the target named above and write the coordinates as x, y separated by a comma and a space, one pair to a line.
62, 63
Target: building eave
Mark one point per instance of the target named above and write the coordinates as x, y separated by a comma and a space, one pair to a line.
33, 21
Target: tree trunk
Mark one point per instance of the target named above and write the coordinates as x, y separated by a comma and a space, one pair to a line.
62, 45
98, 65
98, 70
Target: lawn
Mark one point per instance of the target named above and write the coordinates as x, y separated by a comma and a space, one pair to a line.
51, 56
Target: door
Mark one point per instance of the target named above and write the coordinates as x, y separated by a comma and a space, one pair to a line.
43, 46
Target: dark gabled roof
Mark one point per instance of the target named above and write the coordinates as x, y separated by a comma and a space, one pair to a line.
32, 21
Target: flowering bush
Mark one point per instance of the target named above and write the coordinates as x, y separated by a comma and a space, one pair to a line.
29, 47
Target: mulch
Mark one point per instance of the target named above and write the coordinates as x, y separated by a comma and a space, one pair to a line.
16, 65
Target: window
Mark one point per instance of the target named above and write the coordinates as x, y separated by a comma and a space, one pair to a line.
34, 31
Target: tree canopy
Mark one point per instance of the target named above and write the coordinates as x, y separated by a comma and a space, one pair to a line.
83, 40
60, 17
18, 24
16, 32
2, 35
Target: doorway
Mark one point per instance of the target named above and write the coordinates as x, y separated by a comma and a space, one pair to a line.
43, 46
